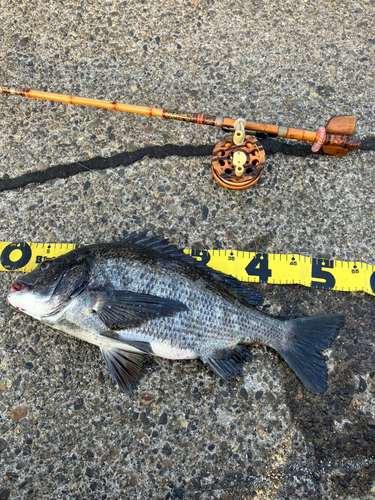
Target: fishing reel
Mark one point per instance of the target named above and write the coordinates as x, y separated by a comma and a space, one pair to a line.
238, 160
238, 164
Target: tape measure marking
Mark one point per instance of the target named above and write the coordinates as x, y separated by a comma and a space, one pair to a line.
255, 267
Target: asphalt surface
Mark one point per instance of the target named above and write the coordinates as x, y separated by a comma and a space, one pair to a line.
65, 429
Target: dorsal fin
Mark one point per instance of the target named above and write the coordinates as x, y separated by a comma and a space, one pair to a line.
162, 246
246, 296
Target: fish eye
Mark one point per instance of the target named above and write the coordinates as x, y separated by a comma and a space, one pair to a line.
44, 265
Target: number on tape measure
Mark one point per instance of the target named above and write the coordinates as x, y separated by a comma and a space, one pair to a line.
372, 282
258, 266
201, 256
318, 273
12, 265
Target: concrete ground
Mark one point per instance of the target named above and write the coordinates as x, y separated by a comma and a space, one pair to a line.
66, 432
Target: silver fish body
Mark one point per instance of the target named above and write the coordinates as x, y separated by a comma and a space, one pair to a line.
143, 296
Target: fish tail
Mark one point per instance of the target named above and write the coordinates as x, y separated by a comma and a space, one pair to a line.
307, 338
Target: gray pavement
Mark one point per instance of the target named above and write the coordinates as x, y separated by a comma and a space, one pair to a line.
65, 430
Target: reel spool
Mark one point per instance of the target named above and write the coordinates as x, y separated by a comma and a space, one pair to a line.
237, 166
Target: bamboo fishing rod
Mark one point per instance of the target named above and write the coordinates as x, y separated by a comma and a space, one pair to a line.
239, 156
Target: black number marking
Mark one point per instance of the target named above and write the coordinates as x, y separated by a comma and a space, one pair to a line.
372, 282
318, 273
258, 266
42, 258
355, 270
201, 256
8, 264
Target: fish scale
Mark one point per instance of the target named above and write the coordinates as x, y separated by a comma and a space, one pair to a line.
197, 328
143, 296
207, 315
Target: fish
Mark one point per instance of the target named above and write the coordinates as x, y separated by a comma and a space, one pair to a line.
143, 296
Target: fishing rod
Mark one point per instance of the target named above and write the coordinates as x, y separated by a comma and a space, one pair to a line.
238, 159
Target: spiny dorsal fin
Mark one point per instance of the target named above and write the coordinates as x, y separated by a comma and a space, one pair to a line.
245, 295
162, 246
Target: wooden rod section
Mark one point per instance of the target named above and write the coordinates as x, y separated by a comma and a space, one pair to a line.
202, 119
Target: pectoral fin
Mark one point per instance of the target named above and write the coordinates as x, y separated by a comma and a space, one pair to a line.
120, 310
124, 368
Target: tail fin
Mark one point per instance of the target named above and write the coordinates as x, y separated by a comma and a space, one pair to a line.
309, 337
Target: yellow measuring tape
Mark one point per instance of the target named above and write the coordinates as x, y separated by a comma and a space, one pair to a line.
279, 269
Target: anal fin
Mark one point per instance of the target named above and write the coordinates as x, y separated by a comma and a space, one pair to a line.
229, 366
124, 367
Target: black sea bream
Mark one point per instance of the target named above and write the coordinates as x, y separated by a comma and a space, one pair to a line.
142, 296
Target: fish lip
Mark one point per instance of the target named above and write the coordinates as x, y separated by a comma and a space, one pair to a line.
13, 292
25, 286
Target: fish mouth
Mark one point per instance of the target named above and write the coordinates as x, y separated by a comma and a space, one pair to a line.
21, 287
18, 286
9, 298
48, 297
15, 293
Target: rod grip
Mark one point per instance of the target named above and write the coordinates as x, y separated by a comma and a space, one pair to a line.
342, 141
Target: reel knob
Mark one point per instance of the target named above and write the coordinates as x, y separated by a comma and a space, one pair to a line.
237, 166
